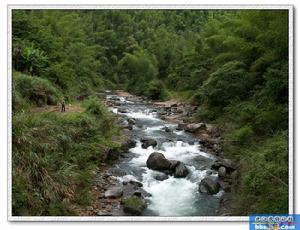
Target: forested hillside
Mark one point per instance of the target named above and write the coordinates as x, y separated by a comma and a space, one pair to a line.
232, 65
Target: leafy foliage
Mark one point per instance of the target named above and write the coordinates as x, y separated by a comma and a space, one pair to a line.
95, 107
232, 64
242, 135
156, 90
136, 70
227, 83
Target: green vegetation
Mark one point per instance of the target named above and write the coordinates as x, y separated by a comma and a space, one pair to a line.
156, 90
233, 65
34, 90
264, 175
54, 157
134, 205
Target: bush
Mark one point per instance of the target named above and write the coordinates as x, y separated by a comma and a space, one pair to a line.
271, 117
228, 82
156, 90
34, 89
205, 113
242, 134
94, 106
173, 81
198, 98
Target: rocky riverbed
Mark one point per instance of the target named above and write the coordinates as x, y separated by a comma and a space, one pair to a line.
168, 166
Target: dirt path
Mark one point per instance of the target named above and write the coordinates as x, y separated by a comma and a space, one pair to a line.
70, 108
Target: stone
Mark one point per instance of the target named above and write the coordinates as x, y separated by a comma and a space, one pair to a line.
130, 188
122, 110
161, 177
157, 161
166, 129
181, 170
136, 183
114, 192
212, 130
148, 142
208, 172
137, 193
103, 213
128, 144
222, 171
227, 163
131, 121
117, 172
216, 165
194, 127
180, 126
225, 186
173, 165
209, 186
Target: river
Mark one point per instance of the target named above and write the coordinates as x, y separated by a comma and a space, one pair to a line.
172, 196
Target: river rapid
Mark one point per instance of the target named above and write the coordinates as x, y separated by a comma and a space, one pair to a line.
172, 196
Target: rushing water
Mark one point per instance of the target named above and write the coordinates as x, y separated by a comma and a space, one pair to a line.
173, 196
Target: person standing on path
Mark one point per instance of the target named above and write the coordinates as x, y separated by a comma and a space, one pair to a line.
63, 106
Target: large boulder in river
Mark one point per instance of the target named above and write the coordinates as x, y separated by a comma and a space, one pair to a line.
209, 186
157, 161
174, 164
148, 142
181, 170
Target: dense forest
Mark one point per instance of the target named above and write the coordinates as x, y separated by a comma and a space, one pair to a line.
232, 65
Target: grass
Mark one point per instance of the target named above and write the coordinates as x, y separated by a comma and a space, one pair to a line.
33, 90
54, 157
182, 96
263, 184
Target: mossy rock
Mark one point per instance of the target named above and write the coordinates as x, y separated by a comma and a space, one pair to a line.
134, 205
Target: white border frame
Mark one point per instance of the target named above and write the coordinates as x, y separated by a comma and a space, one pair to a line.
148, 218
